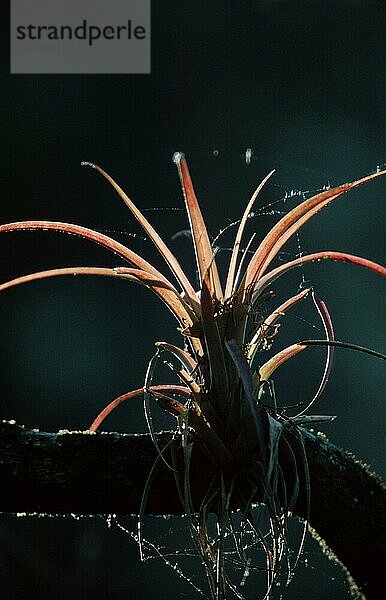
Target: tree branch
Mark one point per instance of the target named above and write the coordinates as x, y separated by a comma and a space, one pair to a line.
83, 473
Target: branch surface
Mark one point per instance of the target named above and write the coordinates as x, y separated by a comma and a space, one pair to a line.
104, 473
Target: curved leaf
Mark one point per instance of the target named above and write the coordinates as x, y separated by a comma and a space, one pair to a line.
172, 389
236, 247
278, 359
203, 249
270, 277
151, 232
281, 357
271, 320
90, 234
167, 294
184, 357
101, 271
347, 345
291, 222
330, 336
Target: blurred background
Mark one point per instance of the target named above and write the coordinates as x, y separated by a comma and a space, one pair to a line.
303, 85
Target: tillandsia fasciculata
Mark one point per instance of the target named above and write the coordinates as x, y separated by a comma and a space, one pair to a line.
228, 424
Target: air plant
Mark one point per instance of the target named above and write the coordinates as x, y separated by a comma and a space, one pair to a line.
224, 402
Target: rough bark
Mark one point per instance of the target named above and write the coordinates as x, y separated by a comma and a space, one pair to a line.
102, 473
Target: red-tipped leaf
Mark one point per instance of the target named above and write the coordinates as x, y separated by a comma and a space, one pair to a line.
99, 238
171, 389
270, 277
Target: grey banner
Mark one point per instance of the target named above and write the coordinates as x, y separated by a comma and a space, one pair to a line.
80, 36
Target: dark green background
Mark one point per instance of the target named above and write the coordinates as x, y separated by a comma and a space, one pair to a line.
303, 84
